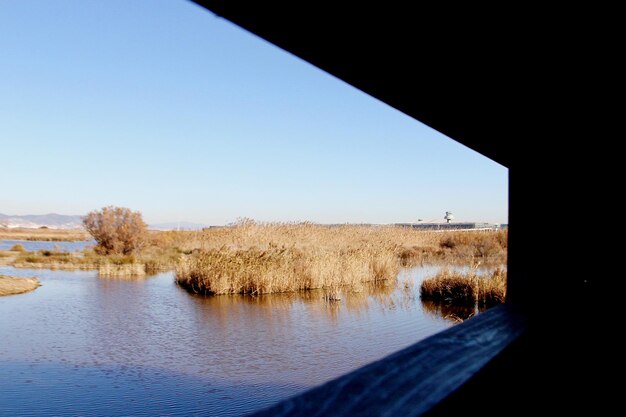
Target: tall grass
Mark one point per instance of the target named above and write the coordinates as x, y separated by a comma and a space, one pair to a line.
261, 258
410, 243
475, 243
465, 289
284, 269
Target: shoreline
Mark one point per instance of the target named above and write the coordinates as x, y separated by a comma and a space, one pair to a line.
44, 235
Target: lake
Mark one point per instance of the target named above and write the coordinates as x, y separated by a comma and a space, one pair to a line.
33, 245
84, 345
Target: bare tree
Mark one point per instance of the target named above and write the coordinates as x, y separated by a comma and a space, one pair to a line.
117, 230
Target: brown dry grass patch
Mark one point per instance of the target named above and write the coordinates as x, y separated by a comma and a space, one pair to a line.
263, 258
465, 289
16, 285
284, 269
475, 243
260, 258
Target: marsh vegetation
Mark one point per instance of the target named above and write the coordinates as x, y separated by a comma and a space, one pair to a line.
261, 258
465, 289
250, 257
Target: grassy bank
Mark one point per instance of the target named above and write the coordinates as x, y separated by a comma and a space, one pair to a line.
465, 289
160, 254
109, 265
52, 235
15, 285
261, 258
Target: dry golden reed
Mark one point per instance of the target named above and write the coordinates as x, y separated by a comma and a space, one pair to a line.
410, 242
260, 258
467, 289
263, 258
284, 269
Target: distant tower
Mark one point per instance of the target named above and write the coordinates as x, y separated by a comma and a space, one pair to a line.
448, 217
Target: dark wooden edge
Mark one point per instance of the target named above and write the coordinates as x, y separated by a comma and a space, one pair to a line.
412, 381
431, 373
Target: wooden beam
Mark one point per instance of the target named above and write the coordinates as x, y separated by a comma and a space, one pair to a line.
412, 381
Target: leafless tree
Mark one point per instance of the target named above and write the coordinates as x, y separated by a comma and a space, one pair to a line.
117, 230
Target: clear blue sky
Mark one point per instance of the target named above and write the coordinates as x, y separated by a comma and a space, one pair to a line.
162, 107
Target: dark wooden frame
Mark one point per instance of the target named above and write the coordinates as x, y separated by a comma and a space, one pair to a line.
500, 82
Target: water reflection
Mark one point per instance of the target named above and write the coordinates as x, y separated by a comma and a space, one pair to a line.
53, 390
452, 313
105, 338
268, 308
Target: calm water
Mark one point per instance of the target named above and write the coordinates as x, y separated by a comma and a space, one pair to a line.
83, 345
32, 245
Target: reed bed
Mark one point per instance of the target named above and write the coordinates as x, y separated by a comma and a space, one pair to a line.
248, 233
284, 269
261, 258
465, 289
475, 243
410, 243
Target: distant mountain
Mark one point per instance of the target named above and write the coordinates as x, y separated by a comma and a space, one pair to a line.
51, 220
177, 226
61, 221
